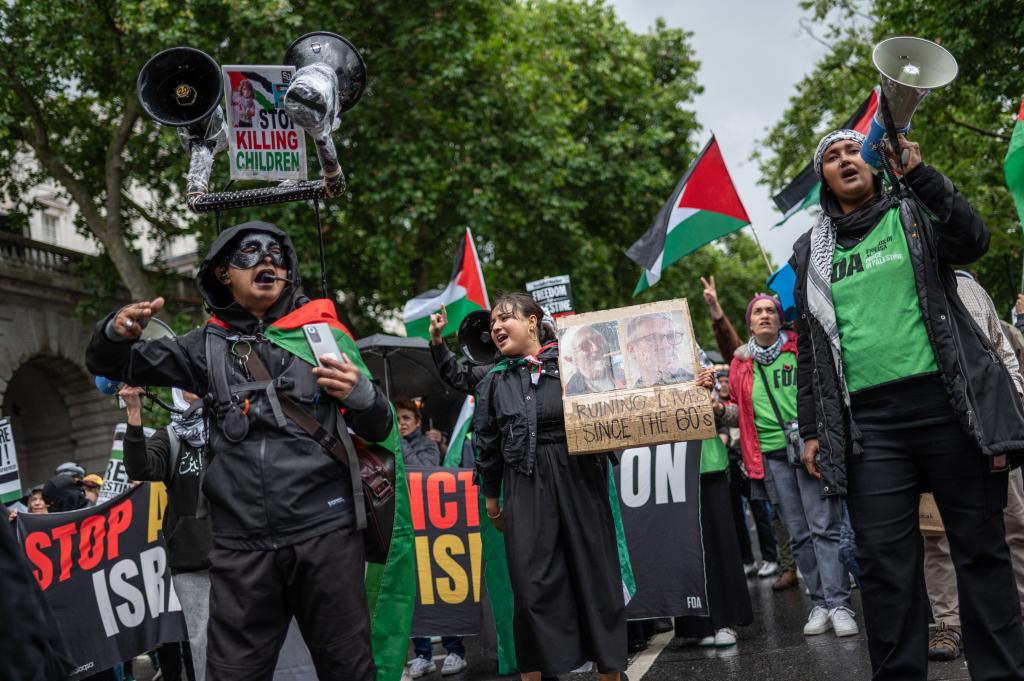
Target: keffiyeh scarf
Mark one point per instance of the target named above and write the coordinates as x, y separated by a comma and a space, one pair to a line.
766, 356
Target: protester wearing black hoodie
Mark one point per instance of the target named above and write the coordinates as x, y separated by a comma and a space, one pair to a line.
284, 541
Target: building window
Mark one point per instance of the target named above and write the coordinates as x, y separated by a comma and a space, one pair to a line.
50, 228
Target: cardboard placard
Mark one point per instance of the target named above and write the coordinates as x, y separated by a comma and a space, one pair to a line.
10, 481
628, 377
928, 516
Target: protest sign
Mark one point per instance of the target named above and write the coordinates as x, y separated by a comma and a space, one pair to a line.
10, 480
115, 479
449, 555
553, 294
628, 376
263, 142
659, 492
103, 570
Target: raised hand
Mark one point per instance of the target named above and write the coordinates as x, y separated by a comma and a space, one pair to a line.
438, 321
711, 297
130, 319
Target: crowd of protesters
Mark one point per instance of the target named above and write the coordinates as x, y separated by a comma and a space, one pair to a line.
891, 376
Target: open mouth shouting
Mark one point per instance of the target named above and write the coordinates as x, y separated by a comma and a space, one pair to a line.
266, 277
500, 338
849, 173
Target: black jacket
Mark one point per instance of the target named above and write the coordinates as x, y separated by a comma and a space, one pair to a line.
508, 424
277, 486
459, 373
188, 538
420, 450
980, 390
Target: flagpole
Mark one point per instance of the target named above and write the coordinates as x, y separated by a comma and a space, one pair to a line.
767, 262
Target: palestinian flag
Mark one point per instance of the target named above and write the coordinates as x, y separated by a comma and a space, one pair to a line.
703, 207
803, 192
390, 588
1013, 166
262, 87
465, 293
460, 432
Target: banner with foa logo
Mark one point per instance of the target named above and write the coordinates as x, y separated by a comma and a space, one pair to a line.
104, 572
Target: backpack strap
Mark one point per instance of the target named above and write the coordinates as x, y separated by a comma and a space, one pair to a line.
173, 453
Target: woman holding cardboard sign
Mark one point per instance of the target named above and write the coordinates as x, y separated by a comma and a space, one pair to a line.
557, 518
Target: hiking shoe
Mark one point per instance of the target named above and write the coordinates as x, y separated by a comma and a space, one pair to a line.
750, 569
787, 580
421, 666
944, 643
818, 622
768, 568
707, 642
453, 664
725, 638
842, 621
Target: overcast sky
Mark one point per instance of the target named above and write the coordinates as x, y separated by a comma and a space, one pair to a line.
752, 53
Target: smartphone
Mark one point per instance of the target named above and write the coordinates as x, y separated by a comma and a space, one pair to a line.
321, 342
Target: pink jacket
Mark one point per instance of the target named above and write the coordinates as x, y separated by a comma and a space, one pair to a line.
741, 393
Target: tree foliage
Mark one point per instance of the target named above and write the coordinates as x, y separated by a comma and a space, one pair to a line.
549, 128
963, 130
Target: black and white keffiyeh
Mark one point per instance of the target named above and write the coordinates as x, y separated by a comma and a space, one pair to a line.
765, 356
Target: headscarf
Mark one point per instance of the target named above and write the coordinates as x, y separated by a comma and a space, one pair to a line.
830, 139
191, 429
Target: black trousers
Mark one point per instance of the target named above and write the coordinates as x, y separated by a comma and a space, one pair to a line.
885, 484
762, 520
254, 595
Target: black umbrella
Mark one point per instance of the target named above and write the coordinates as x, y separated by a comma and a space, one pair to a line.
405, 367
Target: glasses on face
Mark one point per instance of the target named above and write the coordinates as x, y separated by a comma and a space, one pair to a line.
653, 340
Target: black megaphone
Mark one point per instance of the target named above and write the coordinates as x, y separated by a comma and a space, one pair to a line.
475, 338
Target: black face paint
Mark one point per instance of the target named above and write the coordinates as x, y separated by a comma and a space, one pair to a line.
253, 248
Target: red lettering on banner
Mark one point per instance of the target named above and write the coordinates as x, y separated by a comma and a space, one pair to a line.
472, 498
44, 568
419, 522
241, 139
293, 140
446, 520
120, 520
90, 542
63, 536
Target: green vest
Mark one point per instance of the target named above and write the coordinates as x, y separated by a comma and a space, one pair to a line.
878, 313
714, 456
781, 376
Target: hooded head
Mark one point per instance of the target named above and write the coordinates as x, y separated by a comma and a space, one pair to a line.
216, 293
847, 182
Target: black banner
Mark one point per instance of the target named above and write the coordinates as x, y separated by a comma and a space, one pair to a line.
104, 573
553, 294
449, 554
659, 491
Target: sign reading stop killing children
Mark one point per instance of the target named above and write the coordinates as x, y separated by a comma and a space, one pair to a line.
104, 572
445, 507
628, 377
263, 143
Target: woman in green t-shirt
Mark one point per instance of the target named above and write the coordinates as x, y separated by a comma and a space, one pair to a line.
898, 394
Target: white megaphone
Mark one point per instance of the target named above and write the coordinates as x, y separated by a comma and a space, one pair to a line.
910, 68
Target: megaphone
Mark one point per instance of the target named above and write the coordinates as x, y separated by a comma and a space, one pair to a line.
330, 77
182, 87
910, 68
475, 338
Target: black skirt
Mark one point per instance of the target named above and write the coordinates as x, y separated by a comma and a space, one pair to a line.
563, 563
728, 598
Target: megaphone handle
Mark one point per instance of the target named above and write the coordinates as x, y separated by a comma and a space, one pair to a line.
199, 168
891, 132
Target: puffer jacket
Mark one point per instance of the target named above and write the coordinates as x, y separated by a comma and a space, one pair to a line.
741, 393
277, 486
980, 390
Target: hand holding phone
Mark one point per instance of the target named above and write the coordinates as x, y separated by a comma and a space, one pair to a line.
322, 344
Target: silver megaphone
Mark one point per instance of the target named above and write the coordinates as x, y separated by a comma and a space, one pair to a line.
910, 69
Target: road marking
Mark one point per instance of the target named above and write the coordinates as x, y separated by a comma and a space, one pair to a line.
644, 661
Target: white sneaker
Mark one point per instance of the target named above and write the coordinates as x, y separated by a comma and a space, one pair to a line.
421, 666
818, 622
725, 638
750, 569
707, 642
453, 664
768, 569
842, 621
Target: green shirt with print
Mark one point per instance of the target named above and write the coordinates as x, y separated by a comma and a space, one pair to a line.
781, 375
881, 328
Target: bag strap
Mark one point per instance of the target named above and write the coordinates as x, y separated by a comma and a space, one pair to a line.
340, 448
173, 452
771, 398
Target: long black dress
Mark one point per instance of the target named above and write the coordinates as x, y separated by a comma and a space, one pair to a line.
559, 531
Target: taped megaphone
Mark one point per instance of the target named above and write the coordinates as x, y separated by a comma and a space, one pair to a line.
182, 87
910, 69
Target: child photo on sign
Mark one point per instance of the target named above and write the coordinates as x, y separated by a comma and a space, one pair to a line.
243, 103
659, 349
595, 357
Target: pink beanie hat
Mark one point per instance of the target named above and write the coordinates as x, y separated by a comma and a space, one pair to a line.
762, 296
